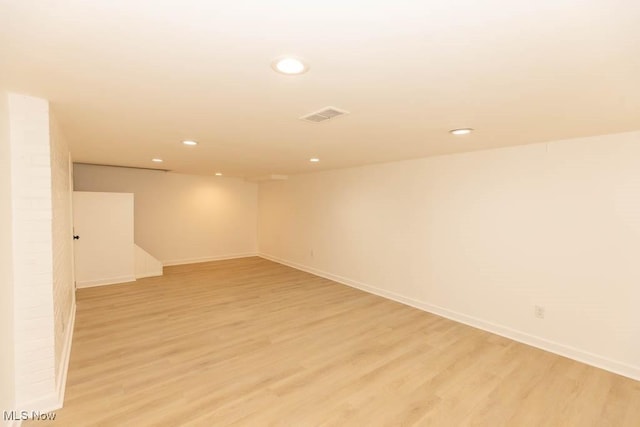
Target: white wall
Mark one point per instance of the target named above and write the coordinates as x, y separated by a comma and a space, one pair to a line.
482, 237
145, 264
32, 252
37, 290
6, 264
182, 218
104, 254
63, 281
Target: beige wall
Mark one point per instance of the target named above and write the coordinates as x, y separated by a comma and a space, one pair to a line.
182, 218
6, 264
63, 287
482, 237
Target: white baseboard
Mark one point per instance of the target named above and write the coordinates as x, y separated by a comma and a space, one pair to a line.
588, 358
207, 259
63, 368
106, 281
153, 274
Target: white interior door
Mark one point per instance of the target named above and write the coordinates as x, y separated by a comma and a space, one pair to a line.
104, 246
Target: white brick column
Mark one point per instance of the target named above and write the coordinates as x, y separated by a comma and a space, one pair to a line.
32, 253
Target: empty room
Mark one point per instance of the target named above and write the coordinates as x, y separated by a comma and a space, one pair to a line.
346, 213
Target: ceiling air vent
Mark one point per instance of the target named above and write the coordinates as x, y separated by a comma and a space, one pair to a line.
323, 115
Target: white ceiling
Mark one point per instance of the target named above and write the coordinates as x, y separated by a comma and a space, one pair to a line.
128, 80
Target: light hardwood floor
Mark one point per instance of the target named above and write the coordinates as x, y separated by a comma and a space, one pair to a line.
250, 342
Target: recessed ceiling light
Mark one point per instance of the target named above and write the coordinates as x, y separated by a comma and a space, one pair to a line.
188, 142
218, 173
462, 131
289, 65
157, 160
314, 160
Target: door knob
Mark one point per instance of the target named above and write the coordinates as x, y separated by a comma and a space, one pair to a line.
76, 237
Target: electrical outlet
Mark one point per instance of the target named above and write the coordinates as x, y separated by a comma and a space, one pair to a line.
538, 311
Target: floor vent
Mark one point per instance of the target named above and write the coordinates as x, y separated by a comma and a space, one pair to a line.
323, 115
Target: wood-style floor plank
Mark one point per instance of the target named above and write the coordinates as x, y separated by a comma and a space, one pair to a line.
249, 342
